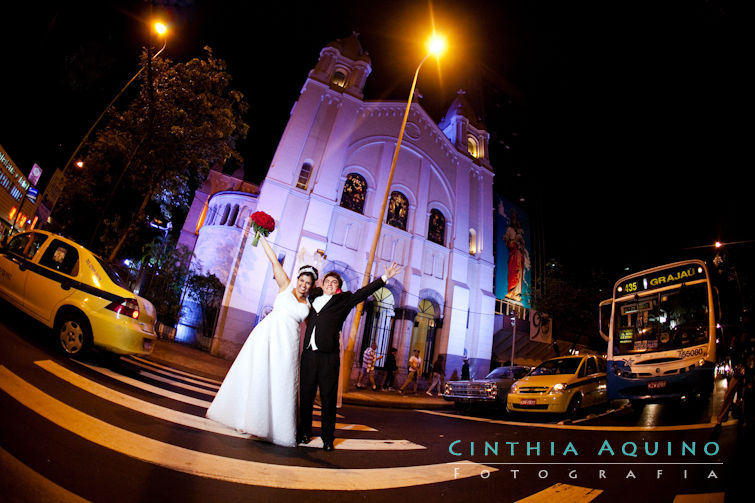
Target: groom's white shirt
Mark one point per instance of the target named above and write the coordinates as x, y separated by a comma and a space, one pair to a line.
318, 304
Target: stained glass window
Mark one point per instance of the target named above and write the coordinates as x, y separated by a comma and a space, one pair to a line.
398, 210
304, 174
354, 192
436, 229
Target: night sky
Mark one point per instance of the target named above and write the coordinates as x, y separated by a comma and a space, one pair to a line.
630, 144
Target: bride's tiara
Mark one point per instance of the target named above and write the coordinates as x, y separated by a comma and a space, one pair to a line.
308, 268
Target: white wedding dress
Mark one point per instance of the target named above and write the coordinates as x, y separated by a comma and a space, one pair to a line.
260, 392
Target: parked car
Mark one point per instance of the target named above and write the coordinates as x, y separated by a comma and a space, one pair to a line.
74, 292
560, 385
492, 389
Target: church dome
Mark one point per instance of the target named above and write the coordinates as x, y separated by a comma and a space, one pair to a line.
461, 107
350, 47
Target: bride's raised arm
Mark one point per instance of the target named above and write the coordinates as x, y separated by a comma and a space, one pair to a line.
280, 275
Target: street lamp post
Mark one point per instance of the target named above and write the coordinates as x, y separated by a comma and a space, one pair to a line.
161, 30
435, 46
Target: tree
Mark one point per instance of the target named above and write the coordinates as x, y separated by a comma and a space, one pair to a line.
164, 272
151, 157
571, 300
207, 291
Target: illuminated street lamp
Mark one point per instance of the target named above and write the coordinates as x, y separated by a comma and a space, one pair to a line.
161, 29
436, 46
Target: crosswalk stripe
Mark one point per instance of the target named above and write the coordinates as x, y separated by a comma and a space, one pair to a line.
160, 391
222, 468
150, 363
19, 479
700, 498
563, 492
147, 387
128, 401
169, 373
155, 410
366, 444
177, 384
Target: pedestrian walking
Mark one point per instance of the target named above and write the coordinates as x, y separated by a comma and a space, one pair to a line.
369, 358
465, 370
438, 372
415, 365
390, 369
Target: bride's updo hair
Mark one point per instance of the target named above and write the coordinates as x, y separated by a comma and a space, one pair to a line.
308, 270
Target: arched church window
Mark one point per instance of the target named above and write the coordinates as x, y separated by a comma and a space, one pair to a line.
354, 192
339, 78
398, 210
226, 211
436, 228
472, 242
234, 214
304, 174
472, 147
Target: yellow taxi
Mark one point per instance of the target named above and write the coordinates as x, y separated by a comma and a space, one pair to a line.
560, 385
71, 290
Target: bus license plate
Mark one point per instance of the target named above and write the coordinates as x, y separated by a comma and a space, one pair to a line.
656, 384
528, 401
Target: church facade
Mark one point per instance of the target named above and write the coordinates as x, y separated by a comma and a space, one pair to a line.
325, 189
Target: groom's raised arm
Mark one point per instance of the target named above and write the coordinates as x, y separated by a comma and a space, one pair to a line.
364, 292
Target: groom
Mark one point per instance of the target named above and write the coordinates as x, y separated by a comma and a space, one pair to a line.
320, 360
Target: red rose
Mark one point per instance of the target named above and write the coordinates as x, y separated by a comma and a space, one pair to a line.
263, 224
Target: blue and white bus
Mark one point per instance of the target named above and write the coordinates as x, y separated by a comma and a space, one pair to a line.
661, 334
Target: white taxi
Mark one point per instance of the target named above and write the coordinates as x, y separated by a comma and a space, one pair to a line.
70, 289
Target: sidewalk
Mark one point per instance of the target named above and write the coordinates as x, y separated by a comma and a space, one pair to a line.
190, 359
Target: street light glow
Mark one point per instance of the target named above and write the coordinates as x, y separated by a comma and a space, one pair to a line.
437, 44
160, 28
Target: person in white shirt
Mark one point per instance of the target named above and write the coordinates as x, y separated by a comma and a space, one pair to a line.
369, 358
415, 367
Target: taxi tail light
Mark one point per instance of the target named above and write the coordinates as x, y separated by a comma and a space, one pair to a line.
128, 307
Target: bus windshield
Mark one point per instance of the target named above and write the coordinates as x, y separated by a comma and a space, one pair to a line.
669, 320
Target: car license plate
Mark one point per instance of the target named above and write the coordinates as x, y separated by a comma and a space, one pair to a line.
656, 384
528, 401
147, 345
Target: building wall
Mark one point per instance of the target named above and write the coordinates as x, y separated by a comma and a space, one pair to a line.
338, 133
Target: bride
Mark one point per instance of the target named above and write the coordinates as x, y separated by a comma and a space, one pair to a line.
259, 393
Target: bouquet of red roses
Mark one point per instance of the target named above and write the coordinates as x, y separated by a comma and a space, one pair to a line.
263, 224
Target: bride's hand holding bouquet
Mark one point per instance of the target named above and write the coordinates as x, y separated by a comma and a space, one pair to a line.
263, 224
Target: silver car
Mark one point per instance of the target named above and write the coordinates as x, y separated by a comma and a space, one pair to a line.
492, 389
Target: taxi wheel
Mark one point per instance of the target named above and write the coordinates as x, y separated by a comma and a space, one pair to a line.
572, 411
74, 334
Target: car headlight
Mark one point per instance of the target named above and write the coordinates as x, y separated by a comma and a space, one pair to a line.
514, 388
491, 389
558, 388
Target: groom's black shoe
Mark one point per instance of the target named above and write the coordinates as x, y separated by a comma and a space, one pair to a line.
303, 439
327, 446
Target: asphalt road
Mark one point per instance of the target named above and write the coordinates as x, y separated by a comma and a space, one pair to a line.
124, 429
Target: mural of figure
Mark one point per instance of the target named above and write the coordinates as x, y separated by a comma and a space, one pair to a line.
519, 259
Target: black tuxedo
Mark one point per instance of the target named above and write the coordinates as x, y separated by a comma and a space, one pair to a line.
319, 369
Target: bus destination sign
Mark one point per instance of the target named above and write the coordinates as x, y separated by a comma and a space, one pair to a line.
672, 276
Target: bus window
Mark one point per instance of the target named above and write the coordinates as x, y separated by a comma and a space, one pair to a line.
604, 318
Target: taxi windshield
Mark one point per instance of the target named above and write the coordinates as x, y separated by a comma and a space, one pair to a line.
557, 366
